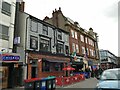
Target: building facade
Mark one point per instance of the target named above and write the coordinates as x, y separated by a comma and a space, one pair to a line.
10, 61
108, 59
83, 43
45, 48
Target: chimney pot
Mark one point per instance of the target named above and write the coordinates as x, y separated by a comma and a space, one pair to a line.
55, 10
59, 8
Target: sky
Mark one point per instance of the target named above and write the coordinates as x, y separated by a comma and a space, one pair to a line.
101, 15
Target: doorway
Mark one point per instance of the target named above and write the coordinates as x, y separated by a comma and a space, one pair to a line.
34, 72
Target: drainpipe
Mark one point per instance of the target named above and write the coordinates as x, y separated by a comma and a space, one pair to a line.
25, 62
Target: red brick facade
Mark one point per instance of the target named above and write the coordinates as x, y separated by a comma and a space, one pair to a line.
39, 58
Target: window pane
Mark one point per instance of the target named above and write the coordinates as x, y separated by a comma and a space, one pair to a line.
4, 32
60, 48
44, 45
66, 49
33, 42
34, 26
82, 38
72, 32
45, 30
45, 66
59, 35
83, 50
77, 48
6, 8
73, 47
75, 35
86, 39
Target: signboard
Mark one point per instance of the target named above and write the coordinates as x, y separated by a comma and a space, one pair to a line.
17, 40
10, 57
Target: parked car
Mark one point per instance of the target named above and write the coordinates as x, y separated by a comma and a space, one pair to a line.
109, 80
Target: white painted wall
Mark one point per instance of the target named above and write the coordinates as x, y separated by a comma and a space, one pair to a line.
8, 21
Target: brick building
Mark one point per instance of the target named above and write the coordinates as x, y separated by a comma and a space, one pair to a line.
83, 43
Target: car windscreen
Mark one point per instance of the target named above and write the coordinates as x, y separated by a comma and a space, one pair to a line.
110, 75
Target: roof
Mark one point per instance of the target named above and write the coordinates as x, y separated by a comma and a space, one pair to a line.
114, 69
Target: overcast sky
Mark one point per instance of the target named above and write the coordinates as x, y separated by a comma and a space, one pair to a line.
101, 15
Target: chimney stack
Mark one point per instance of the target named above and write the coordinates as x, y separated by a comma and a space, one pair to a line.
46, 18
22, 6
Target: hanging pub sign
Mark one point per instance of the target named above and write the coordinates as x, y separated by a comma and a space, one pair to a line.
8, 57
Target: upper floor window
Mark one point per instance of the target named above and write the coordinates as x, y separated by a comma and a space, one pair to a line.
82, 38
4, 32
87, 51
66, 37
77, 48
72, 33
93, 43
6, 8
75, 35
89, 40
60, 48
83, 50
44, 45
59, 35
33, 42
86, 40
66, 49
34, 26
73, 47
92, 53
45, 30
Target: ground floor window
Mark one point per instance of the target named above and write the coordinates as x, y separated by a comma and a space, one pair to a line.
51, 66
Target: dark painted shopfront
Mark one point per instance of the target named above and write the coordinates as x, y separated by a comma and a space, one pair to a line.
13, 72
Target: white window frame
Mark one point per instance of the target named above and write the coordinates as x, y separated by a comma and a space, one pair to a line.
4, 10
73, 47
72, 33
77, 48
87, 51
82, 38
83, 50
75, 35
86, 39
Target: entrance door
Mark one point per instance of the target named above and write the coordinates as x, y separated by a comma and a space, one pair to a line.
34, 72
18, 76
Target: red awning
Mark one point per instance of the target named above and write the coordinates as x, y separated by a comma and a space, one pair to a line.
68, 68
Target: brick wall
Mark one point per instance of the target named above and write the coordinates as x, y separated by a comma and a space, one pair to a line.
39, 57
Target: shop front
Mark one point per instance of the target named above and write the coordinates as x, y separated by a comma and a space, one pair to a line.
77, 63
13, 69
40, 65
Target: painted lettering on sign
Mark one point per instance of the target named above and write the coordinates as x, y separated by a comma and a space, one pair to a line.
10, 58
